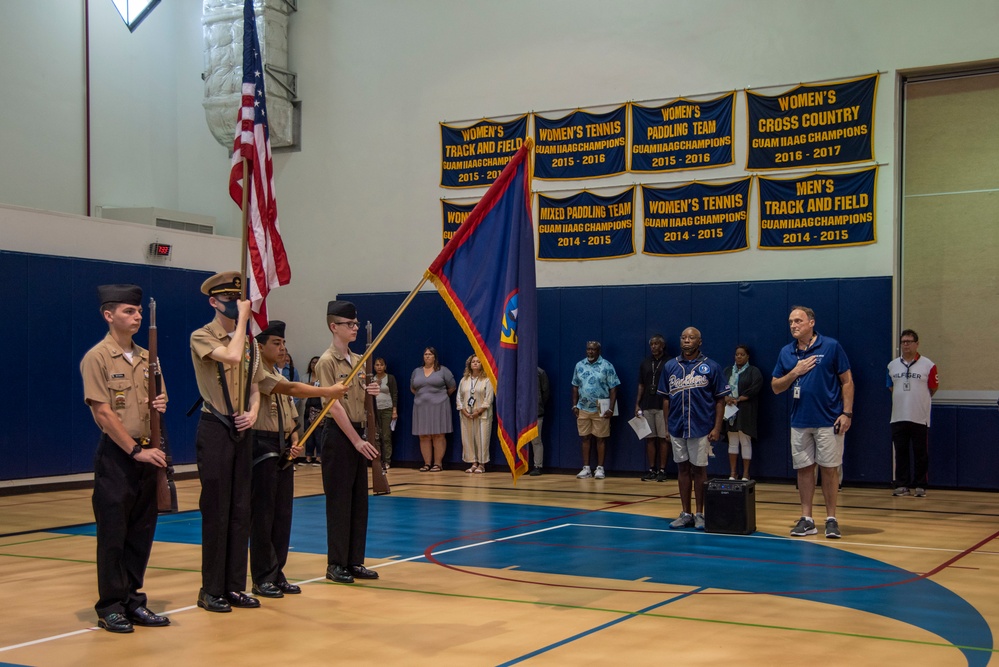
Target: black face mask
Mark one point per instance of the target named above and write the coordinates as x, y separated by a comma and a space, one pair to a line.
229, 308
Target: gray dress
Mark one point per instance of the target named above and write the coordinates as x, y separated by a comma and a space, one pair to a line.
431, 407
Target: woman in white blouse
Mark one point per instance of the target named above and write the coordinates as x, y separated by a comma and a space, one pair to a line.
475, 405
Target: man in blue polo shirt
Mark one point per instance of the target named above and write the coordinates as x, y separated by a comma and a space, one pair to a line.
817, 372
694, 391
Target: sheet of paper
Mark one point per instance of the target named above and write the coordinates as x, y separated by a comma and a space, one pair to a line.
641, 427
730, 411
603, 404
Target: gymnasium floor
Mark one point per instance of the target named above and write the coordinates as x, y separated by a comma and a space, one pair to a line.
554, 571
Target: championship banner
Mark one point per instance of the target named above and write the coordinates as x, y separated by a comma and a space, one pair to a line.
682, 135
453, 214
812, 125
586, 226
818, 211
696, 219
580, 145
473, 157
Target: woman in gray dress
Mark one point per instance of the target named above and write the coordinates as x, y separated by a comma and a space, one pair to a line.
432, 384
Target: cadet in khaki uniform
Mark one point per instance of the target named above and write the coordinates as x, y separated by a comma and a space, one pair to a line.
219, 351
275, 435
115, 386
345, 454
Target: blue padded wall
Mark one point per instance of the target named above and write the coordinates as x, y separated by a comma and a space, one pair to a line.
47, 429
856, 311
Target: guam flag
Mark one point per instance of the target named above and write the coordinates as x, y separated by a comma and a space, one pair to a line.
486, 275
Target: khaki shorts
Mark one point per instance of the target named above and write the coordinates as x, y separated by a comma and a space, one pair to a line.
591, 423
656, 422
816, 445
694, 450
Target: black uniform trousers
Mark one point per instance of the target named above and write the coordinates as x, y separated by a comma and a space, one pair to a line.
125, 511
345, 482
271, 499
904, 435
224, 469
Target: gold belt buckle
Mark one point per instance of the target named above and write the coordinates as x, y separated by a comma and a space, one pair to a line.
144, 442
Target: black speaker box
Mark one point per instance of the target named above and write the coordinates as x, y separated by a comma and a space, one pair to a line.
730, 506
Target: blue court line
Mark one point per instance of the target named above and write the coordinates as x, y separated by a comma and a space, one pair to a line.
551, 647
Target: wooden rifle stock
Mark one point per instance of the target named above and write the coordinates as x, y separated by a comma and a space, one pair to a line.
166, 490
379, 482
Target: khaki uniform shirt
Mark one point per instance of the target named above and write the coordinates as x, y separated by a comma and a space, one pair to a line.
270, 403
108, 377
333, 367
203, 343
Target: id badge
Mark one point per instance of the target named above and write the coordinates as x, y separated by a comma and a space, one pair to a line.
797, 391
905, 386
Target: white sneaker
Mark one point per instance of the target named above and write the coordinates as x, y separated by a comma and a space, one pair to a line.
584, 473
599, 474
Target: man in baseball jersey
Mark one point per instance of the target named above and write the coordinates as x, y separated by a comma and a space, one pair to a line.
694, 391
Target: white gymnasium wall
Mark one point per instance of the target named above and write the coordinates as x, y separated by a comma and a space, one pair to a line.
359, 204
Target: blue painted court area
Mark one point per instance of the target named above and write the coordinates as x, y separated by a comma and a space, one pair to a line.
621, 548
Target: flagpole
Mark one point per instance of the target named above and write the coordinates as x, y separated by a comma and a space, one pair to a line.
359, 366
241, 402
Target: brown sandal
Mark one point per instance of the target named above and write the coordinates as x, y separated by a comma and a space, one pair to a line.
425, 468
435, 468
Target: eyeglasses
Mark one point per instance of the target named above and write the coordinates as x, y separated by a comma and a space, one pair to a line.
350, 324
908, 342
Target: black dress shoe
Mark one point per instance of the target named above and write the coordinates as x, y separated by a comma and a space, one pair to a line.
267, 590
339, 574
142, 616
361, 572
240, 599
210, 602
288, 589
115, 622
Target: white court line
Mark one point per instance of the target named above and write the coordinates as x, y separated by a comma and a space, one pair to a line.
305, 581
80, 632
680, 533
447, 551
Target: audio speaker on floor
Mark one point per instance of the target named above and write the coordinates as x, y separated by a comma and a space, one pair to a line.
730, 506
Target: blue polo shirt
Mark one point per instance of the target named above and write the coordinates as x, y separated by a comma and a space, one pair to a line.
594, 381
693, 387
821, 399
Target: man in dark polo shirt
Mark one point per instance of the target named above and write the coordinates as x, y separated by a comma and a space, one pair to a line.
816, 370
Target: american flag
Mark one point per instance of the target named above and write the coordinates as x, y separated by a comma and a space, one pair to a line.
267, 259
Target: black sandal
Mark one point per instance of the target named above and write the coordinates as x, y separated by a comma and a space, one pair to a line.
425, 468
435, 468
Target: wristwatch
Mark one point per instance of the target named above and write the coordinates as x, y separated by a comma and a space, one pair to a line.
848, 414
135, 451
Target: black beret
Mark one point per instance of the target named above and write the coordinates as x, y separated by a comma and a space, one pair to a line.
274, 328
342, 309
130, 294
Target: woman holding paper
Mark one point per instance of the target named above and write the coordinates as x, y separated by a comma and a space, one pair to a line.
741, 409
